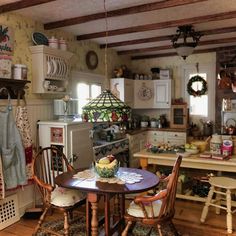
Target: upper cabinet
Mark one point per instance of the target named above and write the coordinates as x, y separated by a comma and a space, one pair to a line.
123, 89
51, 69
162, 93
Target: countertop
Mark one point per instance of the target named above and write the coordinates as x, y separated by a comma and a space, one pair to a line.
140, 130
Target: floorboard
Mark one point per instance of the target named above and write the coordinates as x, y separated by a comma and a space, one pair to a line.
187, 221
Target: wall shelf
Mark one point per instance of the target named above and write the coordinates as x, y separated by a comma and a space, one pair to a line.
13, 86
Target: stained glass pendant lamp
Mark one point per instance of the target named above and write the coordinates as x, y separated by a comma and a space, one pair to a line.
106, 106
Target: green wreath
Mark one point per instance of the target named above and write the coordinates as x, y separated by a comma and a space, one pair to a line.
193, 92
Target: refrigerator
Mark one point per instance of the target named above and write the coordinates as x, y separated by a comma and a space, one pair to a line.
71, 137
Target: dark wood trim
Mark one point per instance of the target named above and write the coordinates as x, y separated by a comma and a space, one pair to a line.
167, 37
171, 54
165, 47
161, 25
13, 86
22, 4
120, 12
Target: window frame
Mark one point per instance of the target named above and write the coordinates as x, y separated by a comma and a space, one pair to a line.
210, 71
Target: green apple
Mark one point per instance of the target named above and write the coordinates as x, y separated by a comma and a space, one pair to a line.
187, 145
193, 146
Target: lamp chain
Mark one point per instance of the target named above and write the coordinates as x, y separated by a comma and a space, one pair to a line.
105, 59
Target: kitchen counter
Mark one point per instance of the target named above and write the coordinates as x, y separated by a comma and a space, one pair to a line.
140, 130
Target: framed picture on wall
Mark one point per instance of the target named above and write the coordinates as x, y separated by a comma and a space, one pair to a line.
6, 40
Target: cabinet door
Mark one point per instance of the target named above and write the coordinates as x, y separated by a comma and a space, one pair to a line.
156, 137
162, 98
143, 94
129, 92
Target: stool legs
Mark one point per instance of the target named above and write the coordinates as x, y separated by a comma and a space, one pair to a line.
208, 201
229, 213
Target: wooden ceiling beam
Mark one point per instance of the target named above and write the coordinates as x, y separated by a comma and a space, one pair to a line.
167, 37
161, 25
22, 4
201, 43
169, 54
120, 12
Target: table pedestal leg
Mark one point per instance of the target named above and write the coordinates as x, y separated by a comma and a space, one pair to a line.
144, 163
92, 218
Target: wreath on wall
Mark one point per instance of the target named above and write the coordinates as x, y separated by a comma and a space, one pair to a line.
196, 93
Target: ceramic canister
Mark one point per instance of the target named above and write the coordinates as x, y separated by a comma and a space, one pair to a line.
215, 144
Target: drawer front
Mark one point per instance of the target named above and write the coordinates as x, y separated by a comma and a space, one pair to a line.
176, 135
176, 141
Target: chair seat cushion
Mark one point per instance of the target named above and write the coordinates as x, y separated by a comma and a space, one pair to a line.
136, 211
64, 197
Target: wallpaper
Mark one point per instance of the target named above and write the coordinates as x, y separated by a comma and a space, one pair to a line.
24, 27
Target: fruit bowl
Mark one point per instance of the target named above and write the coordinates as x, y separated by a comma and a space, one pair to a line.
107, 170
191, 151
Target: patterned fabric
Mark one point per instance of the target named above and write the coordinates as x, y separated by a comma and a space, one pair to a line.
63, 197
135, 210
2, 187
23, 126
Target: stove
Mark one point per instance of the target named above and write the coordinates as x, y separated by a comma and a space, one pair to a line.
118, 148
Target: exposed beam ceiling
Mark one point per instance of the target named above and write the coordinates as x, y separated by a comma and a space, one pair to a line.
201, 43
166, 37
120, 12
161, 25
22, 4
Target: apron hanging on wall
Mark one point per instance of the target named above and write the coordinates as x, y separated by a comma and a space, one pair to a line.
12, 151
23, 125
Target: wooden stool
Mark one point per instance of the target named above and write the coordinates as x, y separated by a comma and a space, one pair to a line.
222, 186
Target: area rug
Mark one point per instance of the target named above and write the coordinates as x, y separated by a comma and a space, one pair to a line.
78, 228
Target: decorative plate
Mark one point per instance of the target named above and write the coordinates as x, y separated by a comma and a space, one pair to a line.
39, 39
145, 93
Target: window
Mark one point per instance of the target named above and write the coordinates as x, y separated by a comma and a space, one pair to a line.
204, 106
198, 105
86, 92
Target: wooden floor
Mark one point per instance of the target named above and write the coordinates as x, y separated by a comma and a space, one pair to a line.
187, 221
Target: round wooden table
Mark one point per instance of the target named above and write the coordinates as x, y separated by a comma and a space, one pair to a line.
95, 189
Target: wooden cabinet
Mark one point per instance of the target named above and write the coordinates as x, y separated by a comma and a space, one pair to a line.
162, 93
136, 143
179, 116
123, 89
50, 69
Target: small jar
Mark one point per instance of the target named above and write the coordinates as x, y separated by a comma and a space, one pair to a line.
20, 72
53, 42
215, 144
62, 44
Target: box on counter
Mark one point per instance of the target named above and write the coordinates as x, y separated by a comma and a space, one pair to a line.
5, 66
165, 74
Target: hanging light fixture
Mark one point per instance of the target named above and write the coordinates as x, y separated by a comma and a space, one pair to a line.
106, 107
185, 40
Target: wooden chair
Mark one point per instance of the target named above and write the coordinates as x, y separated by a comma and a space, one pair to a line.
223, 187
48, 163
155, 210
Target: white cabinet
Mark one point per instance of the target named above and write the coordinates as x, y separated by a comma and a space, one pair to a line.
70, 137
173, 138
156, 137
50, 69
176, 138
143, 94
123, 89
136, 143
162, 93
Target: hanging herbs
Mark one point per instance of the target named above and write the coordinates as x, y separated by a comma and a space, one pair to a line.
196, 93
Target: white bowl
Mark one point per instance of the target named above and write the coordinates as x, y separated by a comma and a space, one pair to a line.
191, 151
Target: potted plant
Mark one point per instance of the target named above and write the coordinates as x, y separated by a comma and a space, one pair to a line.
153, 122
144, 121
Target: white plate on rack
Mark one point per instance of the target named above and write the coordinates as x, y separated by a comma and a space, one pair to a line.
54, 63
49, 68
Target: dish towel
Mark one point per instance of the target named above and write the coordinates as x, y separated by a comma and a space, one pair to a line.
23, 125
